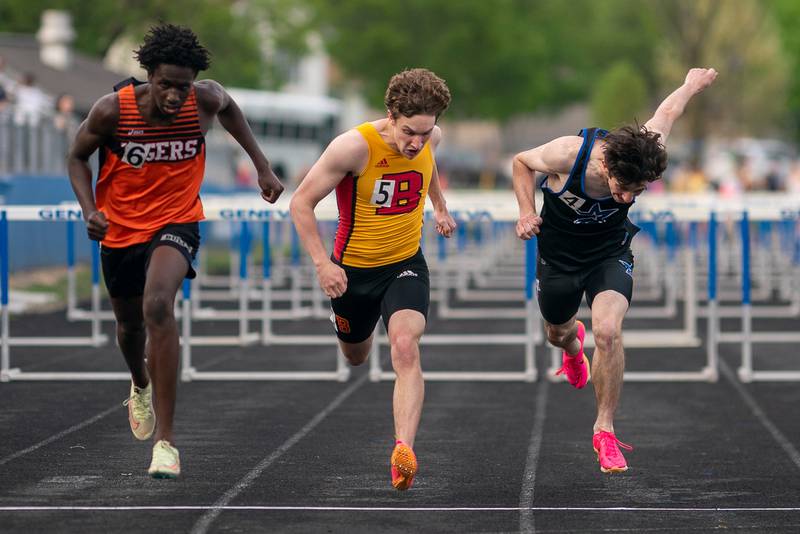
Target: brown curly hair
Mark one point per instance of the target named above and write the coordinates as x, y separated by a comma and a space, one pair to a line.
416, 92
635, 155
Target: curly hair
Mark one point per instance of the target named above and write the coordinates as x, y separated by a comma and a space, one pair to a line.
172, 45
416, 92
635, 155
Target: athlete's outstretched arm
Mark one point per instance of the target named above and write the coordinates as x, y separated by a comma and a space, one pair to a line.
98, 126
553, 158
672, 107
445, 224
347, 154
215, 99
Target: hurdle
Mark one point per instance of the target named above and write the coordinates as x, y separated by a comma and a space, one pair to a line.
217, 212
688, 264
747, 337
528, 339
96, 339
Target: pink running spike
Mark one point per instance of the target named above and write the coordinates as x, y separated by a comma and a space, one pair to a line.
606, 445
576, 368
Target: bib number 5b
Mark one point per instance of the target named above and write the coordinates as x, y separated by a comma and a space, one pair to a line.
397, 193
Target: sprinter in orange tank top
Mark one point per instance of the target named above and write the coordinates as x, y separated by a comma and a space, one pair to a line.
146, 209
382, 171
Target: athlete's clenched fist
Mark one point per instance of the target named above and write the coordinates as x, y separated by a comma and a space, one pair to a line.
528, 226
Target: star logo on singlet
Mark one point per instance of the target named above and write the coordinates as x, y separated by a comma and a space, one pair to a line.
595, 214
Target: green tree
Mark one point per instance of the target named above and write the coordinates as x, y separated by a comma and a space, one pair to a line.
740, 40
620, 96
234, 32
499, 58
787, 15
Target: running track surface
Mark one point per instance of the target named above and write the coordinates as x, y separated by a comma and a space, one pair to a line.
313, 456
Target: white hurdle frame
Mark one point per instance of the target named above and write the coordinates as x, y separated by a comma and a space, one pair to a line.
501, 208
747, 337
96, 339
266, 337
533, 331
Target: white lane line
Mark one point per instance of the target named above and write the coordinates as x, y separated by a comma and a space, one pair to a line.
70, 430
77, 427
205, 521
782, 440
526, 521
257, 508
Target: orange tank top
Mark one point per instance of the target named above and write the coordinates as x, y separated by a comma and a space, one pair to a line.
150, 176
380, 210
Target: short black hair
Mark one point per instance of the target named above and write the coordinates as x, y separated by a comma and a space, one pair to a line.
172, 45
635, 155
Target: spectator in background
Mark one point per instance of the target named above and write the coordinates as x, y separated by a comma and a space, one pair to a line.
65, 123
793, 179
7, 82
245, 177
31, 102
745, 176
774, 178
690, 179
64, 119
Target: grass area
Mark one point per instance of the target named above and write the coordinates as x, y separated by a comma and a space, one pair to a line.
218, 259
53, 281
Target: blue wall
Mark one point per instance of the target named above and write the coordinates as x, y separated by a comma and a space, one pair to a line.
40, 244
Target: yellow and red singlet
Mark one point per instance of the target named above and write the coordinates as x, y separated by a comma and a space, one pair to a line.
380, 210
150, 176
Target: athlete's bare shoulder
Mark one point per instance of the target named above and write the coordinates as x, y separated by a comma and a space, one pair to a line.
555, 157
104, 115
568, 147
211, 96
349, 151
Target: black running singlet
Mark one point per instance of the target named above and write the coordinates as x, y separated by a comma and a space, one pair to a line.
577, 230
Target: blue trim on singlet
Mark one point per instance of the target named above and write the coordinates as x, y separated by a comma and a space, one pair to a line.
586, 157
583, 175
544, 186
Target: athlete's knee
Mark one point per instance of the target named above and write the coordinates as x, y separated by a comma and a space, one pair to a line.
405, 350
130, 329
559, 336
356, 355
158, 308
607, 334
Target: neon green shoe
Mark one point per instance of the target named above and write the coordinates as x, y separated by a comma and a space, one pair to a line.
140, 411
166, 461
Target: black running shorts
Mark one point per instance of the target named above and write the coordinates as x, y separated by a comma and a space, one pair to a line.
124, 269
559, 293
380, 291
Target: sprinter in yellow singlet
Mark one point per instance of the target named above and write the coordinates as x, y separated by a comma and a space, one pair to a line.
382, 171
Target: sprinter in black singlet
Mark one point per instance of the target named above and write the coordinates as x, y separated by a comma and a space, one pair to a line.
584, 238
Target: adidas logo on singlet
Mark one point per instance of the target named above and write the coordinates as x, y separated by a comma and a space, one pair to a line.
407, 273
382, 163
